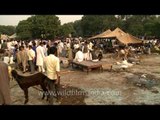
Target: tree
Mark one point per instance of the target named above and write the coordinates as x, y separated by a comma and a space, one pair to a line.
139, 24
23, 30
48, 26
151, 26
78, 28
156, 28
8, 30
66, 29
95, 24
39, 26
44, 26
91, 25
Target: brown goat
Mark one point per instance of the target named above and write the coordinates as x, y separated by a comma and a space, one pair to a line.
27, 81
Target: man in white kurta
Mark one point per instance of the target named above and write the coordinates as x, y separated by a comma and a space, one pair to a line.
79, 56
9, 43
60, 48
40, 57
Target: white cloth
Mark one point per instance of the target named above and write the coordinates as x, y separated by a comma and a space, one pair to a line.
90, 46
124, 64
85, 55
15, 42
61, 45
9, 45
30, 43
40, 56
76, 46
45, 50
11, 60
36, 42
12, 43
96, 60
59, 49
6, 60
68, 45
122, 51
2, 41
79, 56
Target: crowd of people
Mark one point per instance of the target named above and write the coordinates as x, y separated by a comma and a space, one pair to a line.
44, 55
30, 55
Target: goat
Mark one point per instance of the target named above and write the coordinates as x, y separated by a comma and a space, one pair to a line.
27, 81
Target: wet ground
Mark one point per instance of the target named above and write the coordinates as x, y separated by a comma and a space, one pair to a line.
137, 85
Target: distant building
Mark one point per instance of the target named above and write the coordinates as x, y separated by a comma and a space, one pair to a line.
4, 37
13, 36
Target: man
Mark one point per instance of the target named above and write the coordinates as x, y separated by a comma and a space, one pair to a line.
100, 55
15, 50
79, 56
34, 49
85, 50
40, 57
4, 85
9, 44
31, 57
24, 58
76, 46
52, 65
70, 55
4, 45
45, 48
149, 46
90, 45
60, 48
94, 56
19, 61
64, 50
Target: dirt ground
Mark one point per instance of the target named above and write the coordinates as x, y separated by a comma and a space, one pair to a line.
102, 88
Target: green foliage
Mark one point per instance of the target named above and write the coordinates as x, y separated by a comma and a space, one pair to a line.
45, 26
78, 28
23, 30
66, 29
39, 26
8, 30
48, 26
95, 24
138, 25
